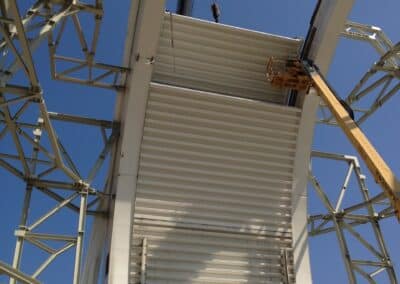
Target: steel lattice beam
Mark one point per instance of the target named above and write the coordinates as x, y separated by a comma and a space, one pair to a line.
96, 74
39, 151
380, 82
341, 219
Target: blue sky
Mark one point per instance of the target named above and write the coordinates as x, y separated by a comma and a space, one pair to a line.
284, 17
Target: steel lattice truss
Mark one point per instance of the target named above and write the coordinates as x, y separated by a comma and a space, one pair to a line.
346, 221
38, 157
377, 86
380, 82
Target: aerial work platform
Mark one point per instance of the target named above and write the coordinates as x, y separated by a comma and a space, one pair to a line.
301, 76
201, 175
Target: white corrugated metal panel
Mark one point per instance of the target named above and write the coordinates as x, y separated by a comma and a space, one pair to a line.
176, 255
218, 58
213, 195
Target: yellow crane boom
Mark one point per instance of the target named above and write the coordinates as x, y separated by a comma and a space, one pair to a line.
301, 76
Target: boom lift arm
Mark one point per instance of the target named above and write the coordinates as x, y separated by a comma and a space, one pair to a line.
301, 76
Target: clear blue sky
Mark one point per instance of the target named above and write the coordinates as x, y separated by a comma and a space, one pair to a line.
284, 17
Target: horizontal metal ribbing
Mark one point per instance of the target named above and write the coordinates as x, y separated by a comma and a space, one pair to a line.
164, 146
213, 194
188, 255
183, 104
223, 59
195, 162
242, 106
261, 187
222, 137
264, 195
168, 210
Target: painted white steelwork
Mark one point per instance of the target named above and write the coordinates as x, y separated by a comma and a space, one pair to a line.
183, 122
352, 222
189, 56
220, 174
301, 257
328, 22
147, 17
380, 83
37, 156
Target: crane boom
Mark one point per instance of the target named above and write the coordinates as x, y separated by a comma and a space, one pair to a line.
301, 76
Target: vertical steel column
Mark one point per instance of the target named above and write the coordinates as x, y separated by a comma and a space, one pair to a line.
27, 201
79, 239
345, 250
144, 34
375, 224
22, 226
338, 229
341, 220
185, 7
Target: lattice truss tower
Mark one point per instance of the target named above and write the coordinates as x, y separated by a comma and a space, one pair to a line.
39, 147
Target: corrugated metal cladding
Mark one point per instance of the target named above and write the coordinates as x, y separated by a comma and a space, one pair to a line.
212, 57
213, 197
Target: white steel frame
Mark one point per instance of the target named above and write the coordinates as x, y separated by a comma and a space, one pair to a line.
341, 219
71, 191
327, 23
41, 154
338, 219
380, 82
